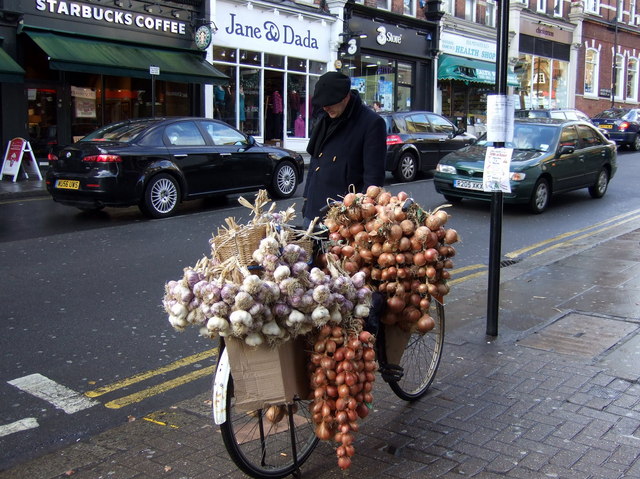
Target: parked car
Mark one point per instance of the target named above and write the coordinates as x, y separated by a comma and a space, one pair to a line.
622, 124
561, 113
157, 163
416, 140
549, 156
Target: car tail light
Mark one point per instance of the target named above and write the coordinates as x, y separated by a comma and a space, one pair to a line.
393, 140
52, 157
623, 126
103, 159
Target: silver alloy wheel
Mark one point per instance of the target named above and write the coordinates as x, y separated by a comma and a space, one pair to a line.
541, 196
407, 167
601, 184
164, 195
286, 179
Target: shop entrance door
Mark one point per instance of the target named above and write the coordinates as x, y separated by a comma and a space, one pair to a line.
274, 107
42, 120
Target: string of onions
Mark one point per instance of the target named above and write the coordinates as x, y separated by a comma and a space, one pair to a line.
404, 251
342, 372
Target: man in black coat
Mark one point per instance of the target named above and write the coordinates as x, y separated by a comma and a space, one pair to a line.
348, 145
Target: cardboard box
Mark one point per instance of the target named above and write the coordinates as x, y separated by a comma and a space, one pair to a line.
264, 375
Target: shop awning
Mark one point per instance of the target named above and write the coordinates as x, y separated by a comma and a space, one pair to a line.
10, 71
70, 53
451, 67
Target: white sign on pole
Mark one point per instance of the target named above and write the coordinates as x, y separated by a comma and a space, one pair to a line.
500, 115
495, 176
13, 159
154, 70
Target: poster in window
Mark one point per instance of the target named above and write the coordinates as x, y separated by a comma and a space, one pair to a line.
85, 107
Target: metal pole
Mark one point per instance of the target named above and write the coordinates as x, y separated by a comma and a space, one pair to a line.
153, 96
495, 234
614, 80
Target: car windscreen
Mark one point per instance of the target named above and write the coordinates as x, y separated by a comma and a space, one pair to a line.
122, 132
527, 136
616, 114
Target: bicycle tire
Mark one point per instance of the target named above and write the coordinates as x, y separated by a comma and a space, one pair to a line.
264, 450
421, 358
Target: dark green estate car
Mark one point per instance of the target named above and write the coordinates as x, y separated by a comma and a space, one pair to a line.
549, 156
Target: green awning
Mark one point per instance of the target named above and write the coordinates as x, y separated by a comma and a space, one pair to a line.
451, 67
10, 71
70, 53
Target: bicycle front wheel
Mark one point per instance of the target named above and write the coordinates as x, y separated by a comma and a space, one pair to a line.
264, 447
421, 358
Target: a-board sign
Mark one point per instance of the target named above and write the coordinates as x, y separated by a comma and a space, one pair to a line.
12, 162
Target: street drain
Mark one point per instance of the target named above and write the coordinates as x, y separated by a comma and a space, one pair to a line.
509, 262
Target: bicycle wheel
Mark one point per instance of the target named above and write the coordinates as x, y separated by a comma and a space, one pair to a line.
264, 449
421, 358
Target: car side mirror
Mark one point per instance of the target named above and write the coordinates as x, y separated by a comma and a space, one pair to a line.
251, 141
566, 150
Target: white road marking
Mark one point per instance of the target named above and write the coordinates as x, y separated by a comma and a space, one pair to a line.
21, 425
60, 396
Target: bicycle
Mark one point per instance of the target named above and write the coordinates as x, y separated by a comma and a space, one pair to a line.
266, 450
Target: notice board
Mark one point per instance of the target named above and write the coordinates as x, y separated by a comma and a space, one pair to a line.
16, 149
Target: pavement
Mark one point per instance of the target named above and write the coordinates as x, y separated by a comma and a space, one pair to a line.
556, 394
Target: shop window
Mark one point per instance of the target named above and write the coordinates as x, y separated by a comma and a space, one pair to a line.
224, 97
632, 79
248, 57
249, 99
42, 119
296, 64
317, 67
559, 86
296, 106
619, 78
273, 61
591, 70
222, 54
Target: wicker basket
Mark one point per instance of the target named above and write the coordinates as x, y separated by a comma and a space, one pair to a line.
240, 243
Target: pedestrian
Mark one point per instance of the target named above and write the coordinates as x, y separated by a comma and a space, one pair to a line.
347, 145
377, 106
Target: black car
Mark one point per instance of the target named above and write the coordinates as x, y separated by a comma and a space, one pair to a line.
622, 125
157, 163
416, 140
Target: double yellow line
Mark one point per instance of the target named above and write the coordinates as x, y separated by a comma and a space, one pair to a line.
555, 242
160, 388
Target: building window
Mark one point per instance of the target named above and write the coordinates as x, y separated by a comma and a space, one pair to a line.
632, 79
448, 6
409, 7
470, 10
384, 4
619, 77
542, 6
592, 6
557, 8
490, 13
591, 72
632, 12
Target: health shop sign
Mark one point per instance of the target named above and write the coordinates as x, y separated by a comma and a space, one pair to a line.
467, 47
250, 26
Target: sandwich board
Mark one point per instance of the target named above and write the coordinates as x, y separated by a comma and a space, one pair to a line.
12, 162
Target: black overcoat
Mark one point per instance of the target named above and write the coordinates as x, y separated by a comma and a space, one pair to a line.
351, 154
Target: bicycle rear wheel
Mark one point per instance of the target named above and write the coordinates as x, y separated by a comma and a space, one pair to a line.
264, 449
421, 358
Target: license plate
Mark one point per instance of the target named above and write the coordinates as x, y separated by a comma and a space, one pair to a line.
468, 185
68, 184
606, 126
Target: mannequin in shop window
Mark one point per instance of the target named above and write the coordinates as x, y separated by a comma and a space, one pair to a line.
294, 106
219, 96
274, 116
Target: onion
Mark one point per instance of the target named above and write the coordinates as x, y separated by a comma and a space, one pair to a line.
348, 199
373, 191
425, 324
395, 304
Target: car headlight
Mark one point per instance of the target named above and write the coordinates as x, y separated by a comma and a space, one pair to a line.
446, 169
517, 176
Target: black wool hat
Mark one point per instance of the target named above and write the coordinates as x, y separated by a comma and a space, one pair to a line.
331, 88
